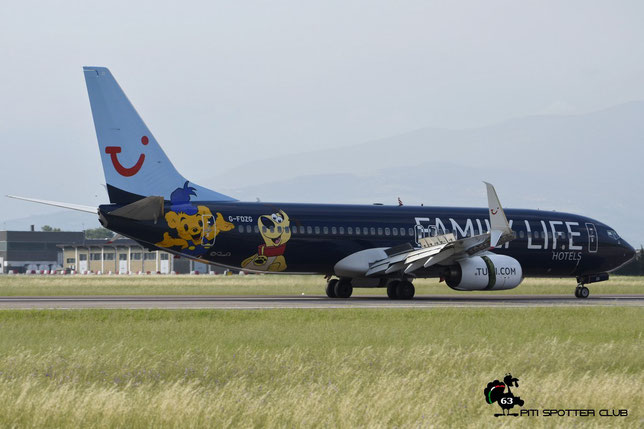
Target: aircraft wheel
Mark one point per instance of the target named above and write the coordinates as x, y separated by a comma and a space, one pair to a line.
577, 292
330, 288
584, 292
405, 290
391, 289
343, 288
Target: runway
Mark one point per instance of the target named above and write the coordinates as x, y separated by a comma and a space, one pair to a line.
250, 302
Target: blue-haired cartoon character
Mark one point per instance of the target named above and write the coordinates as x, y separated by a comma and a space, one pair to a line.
194, 227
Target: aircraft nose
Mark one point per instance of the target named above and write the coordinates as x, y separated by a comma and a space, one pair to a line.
629, 252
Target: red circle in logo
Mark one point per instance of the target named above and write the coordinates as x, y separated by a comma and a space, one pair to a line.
145, 140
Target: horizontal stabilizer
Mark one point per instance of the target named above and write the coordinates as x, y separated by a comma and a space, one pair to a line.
77, 207
149, 208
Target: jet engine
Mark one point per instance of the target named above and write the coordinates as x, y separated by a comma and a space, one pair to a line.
488, 272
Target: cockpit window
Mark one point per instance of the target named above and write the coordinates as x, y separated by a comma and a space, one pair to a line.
612, 234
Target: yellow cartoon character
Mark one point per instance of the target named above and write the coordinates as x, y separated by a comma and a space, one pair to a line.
195, 228
276, 231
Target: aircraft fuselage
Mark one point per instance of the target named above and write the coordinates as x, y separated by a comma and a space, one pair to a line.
312, 238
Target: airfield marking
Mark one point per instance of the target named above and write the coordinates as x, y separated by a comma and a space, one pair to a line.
229, 302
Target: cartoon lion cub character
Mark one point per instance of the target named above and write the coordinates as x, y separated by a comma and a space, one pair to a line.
187, 221
275, 230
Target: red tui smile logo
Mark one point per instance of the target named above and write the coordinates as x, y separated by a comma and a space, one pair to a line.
113, 151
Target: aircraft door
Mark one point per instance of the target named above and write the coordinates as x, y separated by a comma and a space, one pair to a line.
592, 237
209, 231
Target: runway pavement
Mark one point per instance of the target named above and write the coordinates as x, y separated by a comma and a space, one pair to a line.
296, 301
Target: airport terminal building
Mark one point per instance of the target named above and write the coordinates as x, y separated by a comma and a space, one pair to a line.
121, 256
21, 251
125, 256
28, 251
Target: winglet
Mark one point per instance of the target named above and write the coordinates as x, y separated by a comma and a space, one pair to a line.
499, 225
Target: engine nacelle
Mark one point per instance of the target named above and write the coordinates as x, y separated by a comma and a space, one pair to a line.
489, 272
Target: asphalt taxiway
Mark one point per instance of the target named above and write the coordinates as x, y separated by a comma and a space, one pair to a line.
227, 302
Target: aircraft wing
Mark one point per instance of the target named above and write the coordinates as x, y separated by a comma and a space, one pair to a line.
444, 248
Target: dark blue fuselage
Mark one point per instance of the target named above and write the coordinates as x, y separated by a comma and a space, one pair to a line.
312, 238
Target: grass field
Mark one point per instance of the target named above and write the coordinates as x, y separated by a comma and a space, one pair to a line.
264, 285
316, 368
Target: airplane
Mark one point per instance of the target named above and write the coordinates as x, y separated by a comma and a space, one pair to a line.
353, 246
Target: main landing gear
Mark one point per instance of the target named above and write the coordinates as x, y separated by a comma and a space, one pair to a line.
339, 288
396, 289
400, 289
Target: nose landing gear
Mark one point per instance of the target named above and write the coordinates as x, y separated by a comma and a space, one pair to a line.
582, 291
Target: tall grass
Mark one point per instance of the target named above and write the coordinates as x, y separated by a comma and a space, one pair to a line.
315, 368
264, 285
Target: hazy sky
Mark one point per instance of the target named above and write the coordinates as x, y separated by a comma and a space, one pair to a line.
220, 83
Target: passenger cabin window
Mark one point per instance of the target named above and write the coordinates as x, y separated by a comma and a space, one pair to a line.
387, 231
373, 230
365, 230
350, 230
317, 229
402, 231
309, 230
341, 230
294, 229
256, 229
411, 232
334, 230
279, 230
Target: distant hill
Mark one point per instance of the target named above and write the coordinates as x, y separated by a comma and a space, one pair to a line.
590, 164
